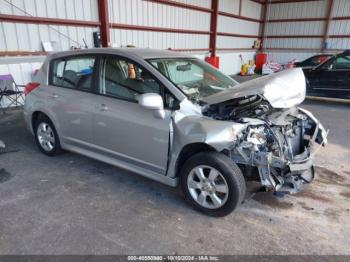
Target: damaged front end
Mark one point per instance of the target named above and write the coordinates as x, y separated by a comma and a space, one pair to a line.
280, 148
277, 143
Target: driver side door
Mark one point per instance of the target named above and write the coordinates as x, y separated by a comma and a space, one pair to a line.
123, 130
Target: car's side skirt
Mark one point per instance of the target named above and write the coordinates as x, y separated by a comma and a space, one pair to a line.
124, 165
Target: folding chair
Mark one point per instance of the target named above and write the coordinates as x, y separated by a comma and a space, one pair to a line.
10, 90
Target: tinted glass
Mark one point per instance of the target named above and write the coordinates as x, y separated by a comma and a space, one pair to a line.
126, 80
315, 60
342, 62
75, 72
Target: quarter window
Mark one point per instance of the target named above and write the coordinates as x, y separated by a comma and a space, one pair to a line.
74, 72
125, 80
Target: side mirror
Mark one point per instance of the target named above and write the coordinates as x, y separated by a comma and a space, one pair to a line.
153, 102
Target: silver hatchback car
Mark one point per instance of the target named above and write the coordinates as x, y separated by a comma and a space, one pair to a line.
176, 119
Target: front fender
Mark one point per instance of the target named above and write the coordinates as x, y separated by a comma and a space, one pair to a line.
219, 135
197, 129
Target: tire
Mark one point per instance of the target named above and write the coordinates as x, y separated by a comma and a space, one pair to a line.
47, 141
206, 194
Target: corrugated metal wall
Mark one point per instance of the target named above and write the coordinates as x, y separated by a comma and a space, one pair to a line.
313, 9
28, 37
340, 27
230, 60
144, 13
138, 12
292, 11
249, 8
238, 26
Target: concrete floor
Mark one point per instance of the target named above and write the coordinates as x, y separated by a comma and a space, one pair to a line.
74, 205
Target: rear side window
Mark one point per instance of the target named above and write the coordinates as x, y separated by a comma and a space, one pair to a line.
73, 72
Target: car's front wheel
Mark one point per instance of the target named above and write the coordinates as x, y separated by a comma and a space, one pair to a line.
46, 136
212, 183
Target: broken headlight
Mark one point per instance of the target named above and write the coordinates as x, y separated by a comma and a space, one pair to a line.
256, 138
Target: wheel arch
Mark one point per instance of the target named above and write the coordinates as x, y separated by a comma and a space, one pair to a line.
56, 144
190, 150
35, 117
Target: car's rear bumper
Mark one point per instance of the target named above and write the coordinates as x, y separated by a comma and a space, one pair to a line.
27, 115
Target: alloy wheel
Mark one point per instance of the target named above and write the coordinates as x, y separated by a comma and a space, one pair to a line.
46, 137
207, 187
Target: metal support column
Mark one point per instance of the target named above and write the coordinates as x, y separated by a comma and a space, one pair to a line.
104, 22
326, 25
213, 26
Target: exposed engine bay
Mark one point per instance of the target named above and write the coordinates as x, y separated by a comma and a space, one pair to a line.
277, 144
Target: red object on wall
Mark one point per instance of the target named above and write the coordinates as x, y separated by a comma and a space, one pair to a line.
260, 60
213, 60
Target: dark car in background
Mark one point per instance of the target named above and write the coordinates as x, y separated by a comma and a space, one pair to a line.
331, 78
313, 61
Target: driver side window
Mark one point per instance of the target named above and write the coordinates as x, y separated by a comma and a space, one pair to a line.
342, 62
125, 80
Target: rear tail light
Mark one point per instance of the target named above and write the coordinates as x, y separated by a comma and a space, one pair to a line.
30, 87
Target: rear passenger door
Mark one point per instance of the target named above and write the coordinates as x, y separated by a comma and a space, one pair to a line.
71, 98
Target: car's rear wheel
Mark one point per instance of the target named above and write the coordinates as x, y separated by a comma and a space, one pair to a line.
212, 183
46, 136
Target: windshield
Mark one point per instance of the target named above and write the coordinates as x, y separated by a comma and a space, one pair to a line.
194, 77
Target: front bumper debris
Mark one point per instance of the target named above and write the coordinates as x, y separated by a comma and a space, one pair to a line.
289, 172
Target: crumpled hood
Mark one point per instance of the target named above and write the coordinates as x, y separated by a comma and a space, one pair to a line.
283, 89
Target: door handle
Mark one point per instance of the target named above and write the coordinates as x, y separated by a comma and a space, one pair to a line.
103, 107
53, 96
